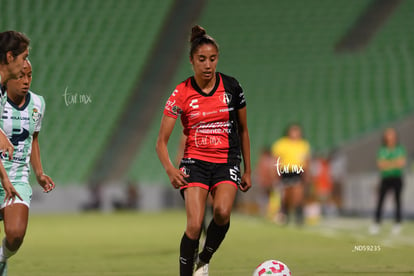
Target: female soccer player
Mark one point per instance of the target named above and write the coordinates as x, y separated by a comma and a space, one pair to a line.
22, 119
14, 49
391, 162
213, 113
292, 153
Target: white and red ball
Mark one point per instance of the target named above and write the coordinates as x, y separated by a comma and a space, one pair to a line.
272, 267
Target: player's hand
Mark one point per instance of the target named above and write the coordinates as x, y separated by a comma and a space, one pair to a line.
46, 182
177, 177
246, 182
10, 191
5, 145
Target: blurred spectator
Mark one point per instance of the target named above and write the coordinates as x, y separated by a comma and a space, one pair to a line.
292, 153
391, 160
323, 185
338, 164
130, 202
265, 177
95, 202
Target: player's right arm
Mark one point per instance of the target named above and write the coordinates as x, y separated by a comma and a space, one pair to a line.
175, 175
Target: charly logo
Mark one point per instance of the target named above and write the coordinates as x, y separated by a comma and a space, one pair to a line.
35, 115
225, 98
193, 104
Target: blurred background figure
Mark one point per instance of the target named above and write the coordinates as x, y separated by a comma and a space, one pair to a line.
95, 197
292, 153
131, 198
338, 172
267, 197
322, 189
391, 161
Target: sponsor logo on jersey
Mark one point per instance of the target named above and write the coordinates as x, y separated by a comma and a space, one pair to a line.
227, 109
187, 161
174, 92
209, 112
210, 133
20, 118
213, 125
225, 98
194, 114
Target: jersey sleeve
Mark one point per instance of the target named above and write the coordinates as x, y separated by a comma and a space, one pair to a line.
41, 113
173, 106
241, 99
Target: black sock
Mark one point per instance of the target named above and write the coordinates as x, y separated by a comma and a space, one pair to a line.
188, 250
215, 235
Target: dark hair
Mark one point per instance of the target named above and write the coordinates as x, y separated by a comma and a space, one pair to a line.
13, 41
290, 126
200, 37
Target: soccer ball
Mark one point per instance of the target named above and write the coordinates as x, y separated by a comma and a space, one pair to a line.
272, 267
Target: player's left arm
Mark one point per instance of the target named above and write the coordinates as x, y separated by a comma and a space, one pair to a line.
44, 180
246, 181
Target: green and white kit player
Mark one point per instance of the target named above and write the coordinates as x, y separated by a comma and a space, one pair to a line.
21, 121
14, 49
20, 124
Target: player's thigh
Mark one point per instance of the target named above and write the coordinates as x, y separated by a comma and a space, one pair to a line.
195, 202
15, 218
15, 213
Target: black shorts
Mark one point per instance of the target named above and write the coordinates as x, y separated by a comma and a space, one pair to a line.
209, 175
290, 179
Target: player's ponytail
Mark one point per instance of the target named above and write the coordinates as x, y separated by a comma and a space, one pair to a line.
199, 37
197, 32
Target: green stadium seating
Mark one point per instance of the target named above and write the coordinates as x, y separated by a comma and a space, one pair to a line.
94, 48
282, 52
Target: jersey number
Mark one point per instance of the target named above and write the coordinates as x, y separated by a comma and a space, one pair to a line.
19, 135
234, 176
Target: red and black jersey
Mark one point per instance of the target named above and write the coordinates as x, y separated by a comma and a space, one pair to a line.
210, 121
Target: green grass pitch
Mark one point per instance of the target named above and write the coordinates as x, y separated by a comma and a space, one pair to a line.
136, 243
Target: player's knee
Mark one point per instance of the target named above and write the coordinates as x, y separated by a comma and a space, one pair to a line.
15, 236
222, 215
15, 241
193, 230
